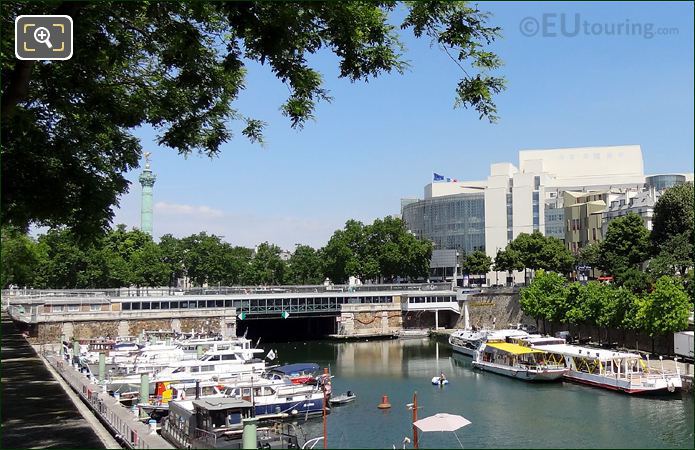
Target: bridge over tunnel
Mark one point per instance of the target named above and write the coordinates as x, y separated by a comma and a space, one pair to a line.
293, 328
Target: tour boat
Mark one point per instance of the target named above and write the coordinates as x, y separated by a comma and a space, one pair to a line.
618, 371
217, 423
517, 361
467, 341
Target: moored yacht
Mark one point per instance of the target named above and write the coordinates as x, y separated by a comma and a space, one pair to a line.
618, 371
517, 361
233, 363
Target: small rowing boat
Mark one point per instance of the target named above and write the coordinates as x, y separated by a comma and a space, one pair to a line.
342, 399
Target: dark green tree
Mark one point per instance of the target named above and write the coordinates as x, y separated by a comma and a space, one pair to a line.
508, 260
266, 266
673, 215
625, 247
476, 263
148, 268
665, 309
541, 298
20, 259
304, 266
180, 67
204, 258
342, 254
172, 256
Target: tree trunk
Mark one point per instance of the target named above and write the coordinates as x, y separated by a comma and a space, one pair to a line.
653, 352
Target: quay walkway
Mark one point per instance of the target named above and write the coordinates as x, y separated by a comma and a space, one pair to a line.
36, 411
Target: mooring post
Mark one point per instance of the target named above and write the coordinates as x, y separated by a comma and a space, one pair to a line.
248, 438
75, 351
102, 367
144, 389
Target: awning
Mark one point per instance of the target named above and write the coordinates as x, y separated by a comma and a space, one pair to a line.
514, 349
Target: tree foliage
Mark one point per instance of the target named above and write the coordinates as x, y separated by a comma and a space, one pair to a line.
542, 252
508, 260
476, 263
383, 250
625, 247
666, 308
673, 216
179, 67
20, 259
543, 298
304, 266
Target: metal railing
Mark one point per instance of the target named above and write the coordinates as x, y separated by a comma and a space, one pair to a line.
25, 294
126, 427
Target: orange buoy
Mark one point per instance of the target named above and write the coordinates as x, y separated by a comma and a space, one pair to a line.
384, 402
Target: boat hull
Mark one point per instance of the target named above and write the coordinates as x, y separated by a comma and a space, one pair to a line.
655, 386
540, 375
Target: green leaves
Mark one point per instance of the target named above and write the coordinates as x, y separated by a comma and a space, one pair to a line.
625, 248
179, 67
673, 215
383, 249
476, 263
541, 252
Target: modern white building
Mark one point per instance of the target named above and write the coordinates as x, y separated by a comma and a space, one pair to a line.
528, 196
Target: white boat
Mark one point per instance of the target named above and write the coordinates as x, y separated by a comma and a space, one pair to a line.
518, 361
232, 364
342, 399
270, 397
468, 341
413, 333
618, 371
439, 381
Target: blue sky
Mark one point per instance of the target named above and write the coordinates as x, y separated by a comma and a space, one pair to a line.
380, 141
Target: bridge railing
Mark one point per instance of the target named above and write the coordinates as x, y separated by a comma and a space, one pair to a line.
14, 295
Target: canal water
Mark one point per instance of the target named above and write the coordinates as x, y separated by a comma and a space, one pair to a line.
504, 413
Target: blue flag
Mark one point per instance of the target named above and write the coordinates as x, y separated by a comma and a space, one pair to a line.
438, 177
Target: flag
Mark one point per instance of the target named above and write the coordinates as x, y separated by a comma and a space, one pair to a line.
438, 177
271, 354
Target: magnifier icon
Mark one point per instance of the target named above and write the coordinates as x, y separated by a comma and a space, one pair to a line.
42, 36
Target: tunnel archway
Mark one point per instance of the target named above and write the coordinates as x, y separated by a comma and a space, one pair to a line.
290, 329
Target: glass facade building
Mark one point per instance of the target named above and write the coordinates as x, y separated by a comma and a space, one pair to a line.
661, 182
451, 222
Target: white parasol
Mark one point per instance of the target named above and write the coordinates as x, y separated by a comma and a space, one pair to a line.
443, 422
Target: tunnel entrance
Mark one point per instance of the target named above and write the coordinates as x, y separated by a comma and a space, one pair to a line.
287, 330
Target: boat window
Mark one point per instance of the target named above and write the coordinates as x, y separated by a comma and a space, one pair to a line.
174, 305
195, 369
229, 357
179, 370
208, 390
209, 368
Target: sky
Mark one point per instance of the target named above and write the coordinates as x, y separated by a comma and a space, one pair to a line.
624, 76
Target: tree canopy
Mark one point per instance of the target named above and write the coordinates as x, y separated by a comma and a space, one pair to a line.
179, 67
625, 247
476, 263
673, 215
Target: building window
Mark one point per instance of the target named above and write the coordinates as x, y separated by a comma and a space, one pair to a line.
593, 232
536, 182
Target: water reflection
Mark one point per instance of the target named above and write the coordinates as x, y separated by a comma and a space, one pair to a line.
505, 413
